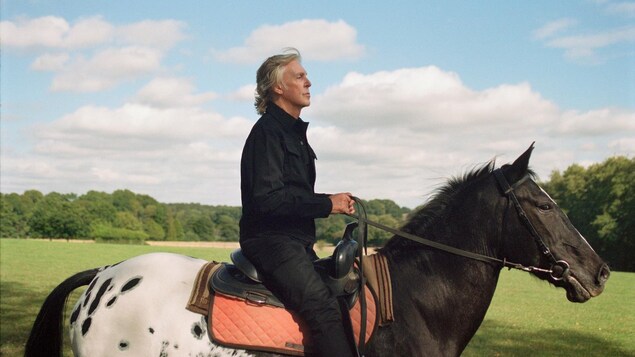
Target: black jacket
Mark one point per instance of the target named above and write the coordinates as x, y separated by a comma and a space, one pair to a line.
277, 180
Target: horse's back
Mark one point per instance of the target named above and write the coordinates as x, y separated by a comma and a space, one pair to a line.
138, 306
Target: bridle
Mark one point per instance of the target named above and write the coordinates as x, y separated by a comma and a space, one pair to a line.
508, 190
558, 270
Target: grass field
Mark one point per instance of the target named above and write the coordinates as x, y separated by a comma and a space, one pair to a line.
527, 317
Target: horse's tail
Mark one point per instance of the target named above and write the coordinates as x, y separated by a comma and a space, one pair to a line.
46, 335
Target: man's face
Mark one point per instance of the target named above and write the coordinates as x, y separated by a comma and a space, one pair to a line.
294, 94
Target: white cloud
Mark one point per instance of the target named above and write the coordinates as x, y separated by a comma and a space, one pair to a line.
55, 32
623, 146
133, 128
318, 40
586, 46
597, 122
163, 114
96, 54
427, 98
398, 133
175, 153
554, 27
50, 62
162, 34
112, 176
166, 92
88, 32
106, 69
245, 93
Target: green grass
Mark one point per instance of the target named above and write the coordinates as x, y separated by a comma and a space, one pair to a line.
30, 269
527, 317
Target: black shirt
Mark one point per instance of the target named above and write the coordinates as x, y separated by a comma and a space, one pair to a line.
277, 172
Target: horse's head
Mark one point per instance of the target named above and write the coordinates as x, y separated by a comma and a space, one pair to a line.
537, 233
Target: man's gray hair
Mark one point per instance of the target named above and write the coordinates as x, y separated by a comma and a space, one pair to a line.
270, 74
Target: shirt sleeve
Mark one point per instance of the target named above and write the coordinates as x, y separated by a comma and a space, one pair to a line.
269, 194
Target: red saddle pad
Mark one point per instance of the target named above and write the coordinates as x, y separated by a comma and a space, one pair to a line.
237, 323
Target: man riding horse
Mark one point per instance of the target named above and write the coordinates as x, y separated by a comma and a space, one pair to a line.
277, 228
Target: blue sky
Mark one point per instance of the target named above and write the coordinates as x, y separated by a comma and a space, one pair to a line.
157, 97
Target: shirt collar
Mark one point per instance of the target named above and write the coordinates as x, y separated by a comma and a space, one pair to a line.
287, 121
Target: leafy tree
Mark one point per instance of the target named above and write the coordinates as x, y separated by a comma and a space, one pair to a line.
16, 212
385, 207
600, 202
55, 217
386, 212
127, 220
30, 198
227, 228
9, 219
191, 237
378, 237
106, 233
331, 229
153, 230
124, 215
203, 227
99, 206
126, 201
173, 227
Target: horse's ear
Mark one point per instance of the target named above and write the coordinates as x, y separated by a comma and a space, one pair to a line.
518, 169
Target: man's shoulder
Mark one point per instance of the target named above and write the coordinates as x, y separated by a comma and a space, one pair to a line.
268, 123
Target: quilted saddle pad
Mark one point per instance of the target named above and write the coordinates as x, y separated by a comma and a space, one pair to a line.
237, 323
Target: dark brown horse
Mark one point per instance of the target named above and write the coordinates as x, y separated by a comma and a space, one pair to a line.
440, 298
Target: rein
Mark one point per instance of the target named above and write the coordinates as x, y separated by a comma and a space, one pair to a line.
508, 190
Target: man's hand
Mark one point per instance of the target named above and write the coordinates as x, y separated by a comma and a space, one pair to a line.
342, 203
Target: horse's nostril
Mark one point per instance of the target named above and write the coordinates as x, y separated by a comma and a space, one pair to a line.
603, 274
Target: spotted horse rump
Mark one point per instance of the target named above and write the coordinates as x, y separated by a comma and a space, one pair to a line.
136, 308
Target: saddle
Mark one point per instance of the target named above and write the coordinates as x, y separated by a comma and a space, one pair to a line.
242, 280
243, 313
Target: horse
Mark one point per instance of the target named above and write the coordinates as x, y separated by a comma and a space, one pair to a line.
136, 307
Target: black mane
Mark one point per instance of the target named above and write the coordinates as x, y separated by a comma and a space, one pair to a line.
443, 196
430, 211
425, 215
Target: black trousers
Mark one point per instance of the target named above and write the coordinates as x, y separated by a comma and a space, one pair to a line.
287, 268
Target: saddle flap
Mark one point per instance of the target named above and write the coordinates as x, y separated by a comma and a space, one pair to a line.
229, 280
234, 323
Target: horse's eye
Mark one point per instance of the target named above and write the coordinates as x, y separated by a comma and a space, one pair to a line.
545, 206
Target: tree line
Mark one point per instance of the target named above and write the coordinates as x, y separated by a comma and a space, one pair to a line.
124, 216
599, 200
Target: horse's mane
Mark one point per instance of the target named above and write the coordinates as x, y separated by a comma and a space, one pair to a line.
425, 215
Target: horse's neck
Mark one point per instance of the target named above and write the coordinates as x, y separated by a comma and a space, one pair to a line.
444, 295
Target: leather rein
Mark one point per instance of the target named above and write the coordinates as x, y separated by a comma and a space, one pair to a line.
508, 190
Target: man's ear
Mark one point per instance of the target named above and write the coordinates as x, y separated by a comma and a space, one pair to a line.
278, 89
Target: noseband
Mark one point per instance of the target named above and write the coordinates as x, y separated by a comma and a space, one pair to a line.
558, 270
